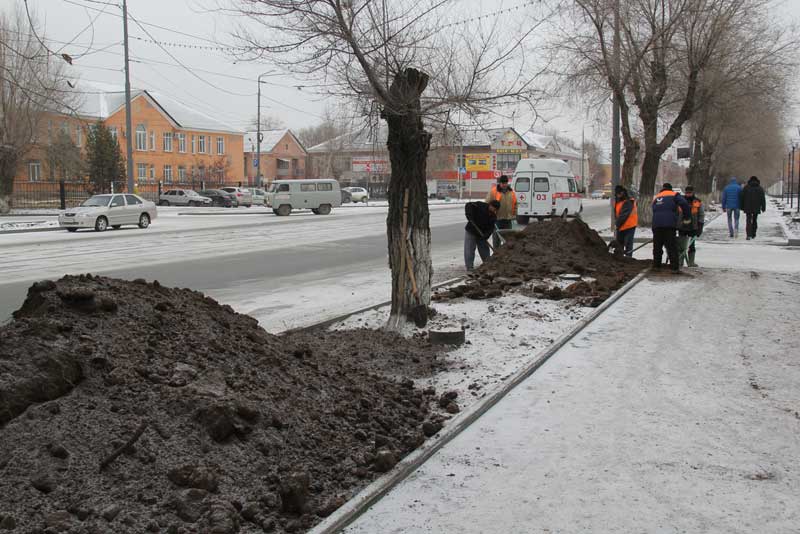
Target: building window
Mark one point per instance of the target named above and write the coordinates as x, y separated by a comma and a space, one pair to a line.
508, 162
168, 174
152, 173
283, 164
113, 130
201, 145
182, 174
167, 141
152, 140
141, 137
78, 136
141, 171
65, 128
34, 171
50, 130
182, 142
220, 145
193, 145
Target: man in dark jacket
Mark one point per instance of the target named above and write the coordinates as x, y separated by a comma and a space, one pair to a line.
669, 211
481, 218
753, 202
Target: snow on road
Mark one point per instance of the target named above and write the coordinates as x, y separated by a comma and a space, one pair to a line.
675, 411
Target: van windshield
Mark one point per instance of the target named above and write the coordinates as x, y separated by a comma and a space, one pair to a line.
523, 185
541, 185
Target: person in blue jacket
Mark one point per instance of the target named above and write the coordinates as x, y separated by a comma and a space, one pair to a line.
669, 212
731, 204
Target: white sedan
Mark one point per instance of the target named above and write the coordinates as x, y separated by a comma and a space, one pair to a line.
357, 194
101, 211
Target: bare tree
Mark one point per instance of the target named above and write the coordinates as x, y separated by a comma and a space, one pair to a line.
32, 84
667, 50
64, 158
408, 62
268, 122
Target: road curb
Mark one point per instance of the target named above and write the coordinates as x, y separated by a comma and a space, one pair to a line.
328, 322
370, 495
30, 230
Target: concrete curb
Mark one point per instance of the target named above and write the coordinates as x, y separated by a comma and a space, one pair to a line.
368, 496
31, 230
328, 322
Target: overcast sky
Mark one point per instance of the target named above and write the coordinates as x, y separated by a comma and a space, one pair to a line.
229, 92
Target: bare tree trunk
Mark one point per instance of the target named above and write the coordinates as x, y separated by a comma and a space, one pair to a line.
629, 162
408, 145
650, 165
8, 170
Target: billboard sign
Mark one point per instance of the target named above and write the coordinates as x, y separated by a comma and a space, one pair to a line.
371, 165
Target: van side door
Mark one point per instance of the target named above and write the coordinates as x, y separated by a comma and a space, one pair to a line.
308, 192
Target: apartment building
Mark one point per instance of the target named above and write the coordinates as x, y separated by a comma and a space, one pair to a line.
172, 142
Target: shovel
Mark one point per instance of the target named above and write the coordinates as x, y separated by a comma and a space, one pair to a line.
481, 233
419, 313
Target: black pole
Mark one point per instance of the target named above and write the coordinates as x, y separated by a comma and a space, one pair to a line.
62, 195
783, 181
791, 180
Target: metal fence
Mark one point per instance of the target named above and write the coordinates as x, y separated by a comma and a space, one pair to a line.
56, 195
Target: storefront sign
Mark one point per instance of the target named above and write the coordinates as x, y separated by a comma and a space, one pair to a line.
478, 162
370, 165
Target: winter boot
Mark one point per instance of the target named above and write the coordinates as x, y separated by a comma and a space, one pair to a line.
691, 259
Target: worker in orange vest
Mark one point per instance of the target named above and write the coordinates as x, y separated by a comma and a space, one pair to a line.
507, 198
627, 218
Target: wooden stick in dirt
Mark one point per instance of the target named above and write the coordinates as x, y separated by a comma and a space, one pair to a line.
134, 438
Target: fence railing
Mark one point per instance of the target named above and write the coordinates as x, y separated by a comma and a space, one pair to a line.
55, 195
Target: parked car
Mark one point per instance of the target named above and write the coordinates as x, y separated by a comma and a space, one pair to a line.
317, 195
244, 197
346, 197
101, 211
357, 194
219, 198
597, 195
182, 197
259, 197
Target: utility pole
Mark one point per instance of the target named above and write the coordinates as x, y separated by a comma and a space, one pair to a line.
258, 134
783, 181
791, 177
583, 157
128, 128
616, 149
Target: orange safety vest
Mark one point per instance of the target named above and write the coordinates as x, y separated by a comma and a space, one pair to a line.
633, 219
498, 196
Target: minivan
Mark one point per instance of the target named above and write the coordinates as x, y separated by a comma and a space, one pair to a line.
319, 196
545, 188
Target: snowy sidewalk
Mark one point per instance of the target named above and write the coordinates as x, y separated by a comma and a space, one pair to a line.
677, 410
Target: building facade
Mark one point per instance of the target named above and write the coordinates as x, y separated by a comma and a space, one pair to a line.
171, 142
466, 164
283, 156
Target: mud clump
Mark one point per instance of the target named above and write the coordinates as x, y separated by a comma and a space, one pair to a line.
130, 407
545, 251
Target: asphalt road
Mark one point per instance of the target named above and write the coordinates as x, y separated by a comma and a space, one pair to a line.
279, 256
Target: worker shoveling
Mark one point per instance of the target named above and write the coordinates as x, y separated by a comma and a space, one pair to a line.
545, 252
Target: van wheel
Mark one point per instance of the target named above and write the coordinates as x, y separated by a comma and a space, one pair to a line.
523, 219
315, 211
564, 215
324, 209
284, 210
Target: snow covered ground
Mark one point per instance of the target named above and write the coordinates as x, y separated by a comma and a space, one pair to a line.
27, 224
675, 411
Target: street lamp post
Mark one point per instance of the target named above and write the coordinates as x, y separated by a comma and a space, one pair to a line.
791, 177
258, 133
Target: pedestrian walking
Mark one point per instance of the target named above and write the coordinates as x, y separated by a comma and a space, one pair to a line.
627, 219
668, 209
691, 229
731, 203
753, 202
507, 198
481, 218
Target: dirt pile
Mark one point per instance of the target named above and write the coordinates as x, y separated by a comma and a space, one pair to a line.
131, 407
550, 250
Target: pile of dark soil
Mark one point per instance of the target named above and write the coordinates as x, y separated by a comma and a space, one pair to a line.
548, 250
131, 407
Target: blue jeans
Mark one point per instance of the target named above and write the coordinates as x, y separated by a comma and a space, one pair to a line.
625, 237
733, 215
470, 243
